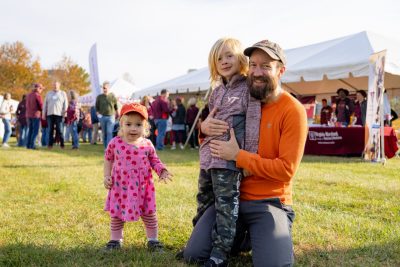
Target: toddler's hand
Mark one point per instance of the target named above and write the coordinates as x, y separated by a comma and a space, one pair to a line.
107, 182
164, 176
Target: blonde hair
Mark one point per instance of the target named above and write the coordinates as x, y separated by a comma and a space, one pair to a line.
236, 47
73, 95
145, 100
146, 124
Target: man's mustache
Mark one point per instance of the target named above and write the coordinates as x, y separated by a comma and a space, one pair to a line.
259, 78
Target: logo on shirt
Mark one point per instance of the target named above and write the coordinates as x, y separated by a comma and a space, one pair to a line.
269, 125
232, 99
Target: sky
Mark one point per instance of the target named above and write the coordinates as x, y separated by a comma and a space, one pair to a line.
157, 40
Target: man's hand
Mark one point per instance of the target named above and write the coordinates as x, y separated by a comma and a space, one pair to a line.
213, 127
165, 176
226, 150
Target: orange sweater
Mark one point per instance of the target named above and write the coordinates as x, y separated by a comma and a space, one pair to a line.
283, 132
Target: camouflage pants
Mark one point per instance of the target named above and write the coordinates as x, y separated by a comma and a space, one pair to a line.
220, 187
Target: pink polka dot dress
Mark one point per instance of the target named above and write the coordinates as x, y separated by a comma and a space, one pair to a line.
133, 192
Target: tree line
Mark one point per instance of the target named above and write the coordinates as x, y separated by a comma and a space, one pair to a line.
19, 70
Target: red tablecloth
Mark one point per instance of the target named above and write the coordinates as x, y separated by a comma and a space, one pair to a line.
344, 141
390, 142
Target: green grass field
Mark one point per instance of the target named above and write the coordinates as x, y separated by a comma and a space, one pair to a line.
347, 211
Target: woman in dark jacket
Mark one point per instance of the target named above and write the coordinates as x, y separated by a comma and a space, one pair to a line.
22, 122
360, 107
178, 124
191, 115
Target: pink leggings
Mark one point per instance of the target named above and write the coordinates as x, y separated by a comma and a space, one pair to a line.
150, 222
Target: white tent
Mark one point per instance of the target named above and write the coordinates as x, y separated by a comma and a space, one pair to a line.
197, 80
316, 69
124, 91
324, 67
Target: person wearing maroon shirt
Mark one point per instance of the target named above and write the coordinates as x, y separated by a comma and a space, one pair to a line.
344, 107
326, 112
147, 101
161, 110
191, 115
34, 106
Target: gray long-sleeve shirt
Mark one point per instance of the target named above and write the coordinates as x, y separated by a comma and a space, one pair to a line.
56, 103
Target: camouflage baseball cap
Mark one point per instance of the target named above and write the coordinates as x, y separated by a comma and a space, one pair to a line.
271, 48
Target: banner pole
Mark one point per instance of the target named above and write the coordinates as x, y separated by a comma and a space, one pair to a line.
197, 118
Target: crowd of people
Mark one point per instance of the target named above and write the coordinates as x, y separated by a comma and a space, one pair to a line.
51, 120
347, 111
171, 121
58, 117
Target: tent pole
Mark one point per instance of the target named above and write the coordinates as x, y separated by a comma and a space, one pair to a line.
382, 128
197, 118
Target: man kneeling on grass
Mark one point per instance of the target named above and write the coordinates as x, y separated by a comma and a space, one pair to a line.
265, 212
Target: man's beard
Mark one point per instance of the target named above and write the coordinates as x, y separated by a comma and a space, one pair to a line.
262, 92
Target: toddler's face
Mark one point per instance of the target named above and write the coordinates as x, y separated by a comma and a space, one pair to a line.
228, 63
132, 127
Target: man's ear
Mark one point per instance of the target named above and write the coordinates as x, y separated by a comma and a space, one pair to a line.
281, 71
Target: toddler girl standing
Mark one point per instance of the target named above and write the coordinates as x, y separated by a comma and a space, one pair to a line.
129, 159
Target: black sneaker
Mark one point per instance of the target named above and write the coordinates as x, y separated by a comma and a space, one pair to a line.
211, 263
155, 245
113, 245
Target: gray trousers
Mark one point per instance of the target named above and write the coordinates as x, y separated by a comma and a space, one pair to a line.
265, 223
95, 133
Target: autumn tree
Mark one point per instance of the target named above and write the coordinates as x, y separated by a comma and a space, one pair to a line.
71, 76
18, 70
